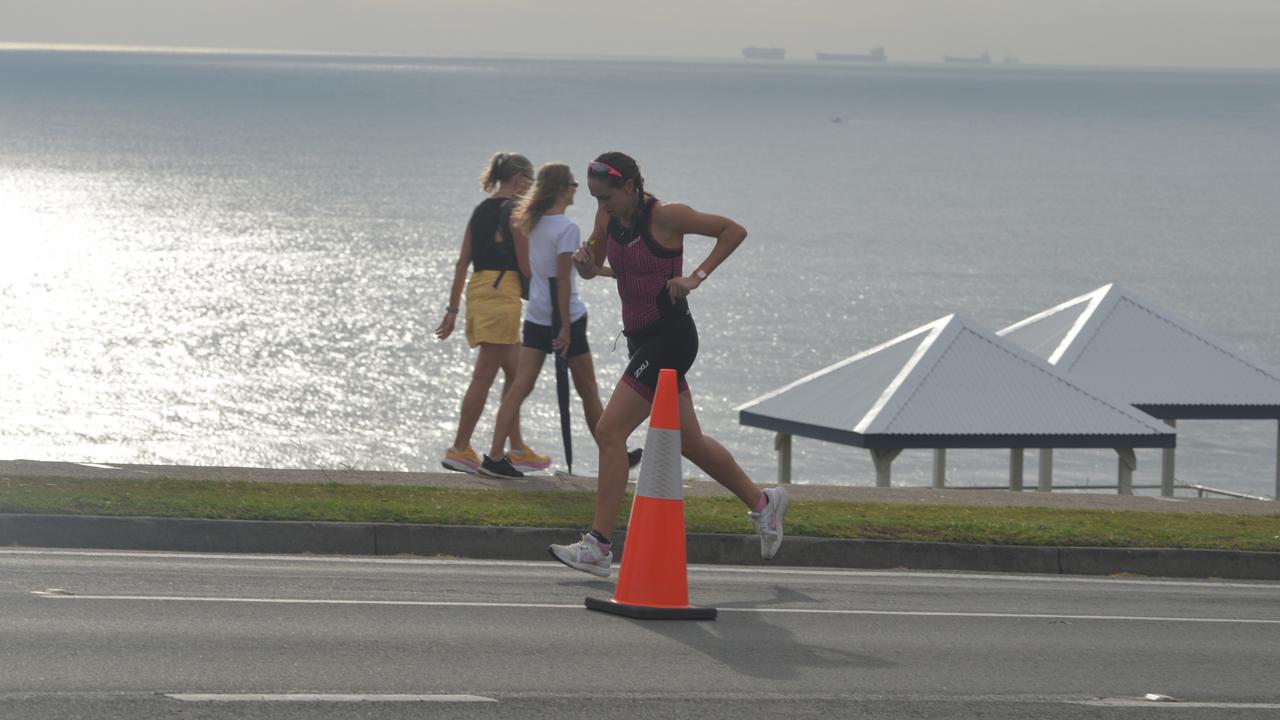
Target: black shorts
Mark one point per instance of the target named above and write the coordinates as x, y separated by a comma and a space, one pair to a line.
667, 344
539, 337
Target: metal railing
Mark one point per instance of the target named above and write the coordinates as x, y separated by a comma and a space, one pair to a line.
1201, 490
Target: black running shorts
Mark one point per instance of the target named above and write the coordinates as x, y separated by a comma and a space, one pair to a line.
539, 337
671, 343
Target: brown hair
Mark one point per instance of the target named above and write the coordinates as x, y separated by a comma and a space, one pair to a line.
624, 164
552, 179
502, 167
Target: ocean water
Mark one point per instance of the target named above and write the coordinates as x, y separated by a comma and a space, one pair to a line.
240, 259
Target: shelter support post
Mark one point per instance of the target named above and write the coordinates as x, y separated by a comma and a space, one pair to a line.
1046, 470
1128, 463
1015, 469
782, 444
1277, 495
883, 458
1167, 466
939, 467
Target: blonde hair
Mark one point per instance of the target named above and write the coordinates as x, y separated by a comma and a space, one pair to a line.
502, 167
552, 179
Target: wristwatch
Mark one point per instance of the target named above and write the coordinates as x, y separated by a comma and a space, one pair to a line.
701, 274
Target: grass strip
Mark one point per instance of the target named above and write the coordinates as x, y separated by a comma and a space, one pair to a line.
513, 508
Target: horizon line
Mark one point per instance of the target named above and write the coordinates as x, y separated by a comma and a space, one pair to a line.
8, 46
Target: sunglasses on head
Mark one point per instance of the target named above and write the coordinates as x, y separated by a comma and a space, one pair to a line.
598, 168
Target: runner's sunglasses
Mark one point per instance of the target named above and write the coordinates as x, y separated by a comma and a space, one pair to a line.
598, 168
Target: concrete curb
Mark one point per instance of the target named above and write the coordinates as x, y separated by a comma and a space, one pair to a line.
499, 543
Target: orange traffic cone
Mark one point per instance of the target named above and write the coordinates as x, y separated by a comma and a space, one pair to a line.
653, 583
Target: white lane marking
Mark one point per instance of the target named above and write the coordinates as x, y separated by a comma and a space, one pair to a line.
576, 606
99, 466
704, 569
1004, 577
321, 697
307, 601
1139, 702
1028, 616
363, 698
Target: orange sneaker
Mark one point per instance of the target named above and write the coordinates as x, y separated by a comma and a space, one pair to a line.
526, 460
466, 461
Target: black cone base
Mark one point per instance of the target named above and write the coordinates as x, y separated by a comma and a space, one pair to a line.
642, 612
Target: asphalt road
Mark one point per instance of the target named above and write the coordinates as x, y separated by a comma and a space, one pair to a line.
152, 635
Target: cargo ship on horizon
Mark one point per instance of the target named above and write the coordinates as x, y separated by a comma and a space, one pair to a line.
876, 55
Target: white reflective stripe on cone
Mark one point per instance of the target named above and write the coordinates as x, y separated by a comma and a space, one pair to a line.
661, 475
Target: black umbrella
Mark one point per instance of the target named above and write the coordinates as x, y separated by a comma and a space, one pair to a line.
562, 394
562, 381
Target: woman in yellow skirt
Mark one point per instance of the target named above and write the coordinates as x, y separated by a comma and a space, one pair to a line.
493, 307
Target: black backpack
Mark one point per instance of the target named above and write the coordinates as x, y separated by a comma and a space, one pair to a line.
509, 245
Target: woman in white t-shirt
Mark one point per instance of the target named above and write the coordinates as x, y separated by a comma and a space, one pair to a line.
551, 323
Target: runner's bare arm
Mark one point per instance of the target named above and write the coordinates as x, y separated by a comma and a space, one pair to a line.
590, 258
677, 220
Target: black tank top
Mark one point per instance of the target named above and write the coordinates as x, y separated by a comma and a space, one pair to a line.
489, 251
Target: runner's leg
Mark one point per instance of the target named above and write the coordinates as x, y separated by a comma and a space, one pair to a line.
712, 457
624, 413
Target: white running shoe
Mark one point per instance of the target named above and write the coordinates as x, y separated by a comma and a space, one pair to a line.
769, 522
585, 555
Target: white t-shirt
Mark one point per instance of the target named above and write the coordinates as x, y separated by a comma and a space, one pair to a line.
553, 236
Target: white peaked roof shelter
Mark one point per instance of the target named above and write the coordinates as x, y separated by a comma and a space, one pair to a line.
1116, 344
950, 384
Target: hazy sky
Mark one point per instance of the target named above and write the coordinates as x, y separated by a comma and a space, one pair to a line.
1209, 33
